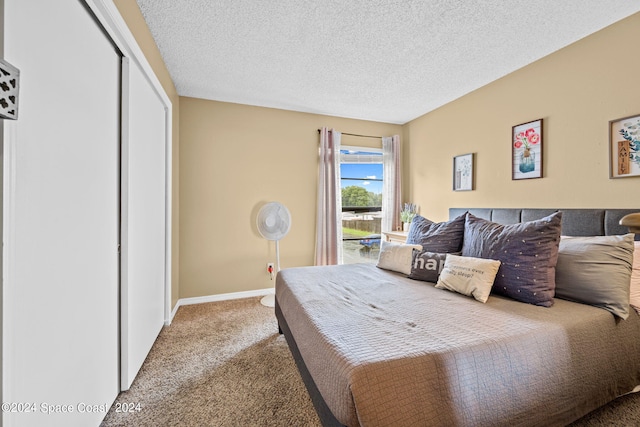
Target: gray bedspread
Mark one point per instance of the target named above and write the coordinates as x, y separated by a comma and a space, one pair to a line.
385, 350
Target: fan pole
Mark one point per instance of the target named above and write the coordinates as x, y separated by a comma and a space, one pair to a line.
270, 300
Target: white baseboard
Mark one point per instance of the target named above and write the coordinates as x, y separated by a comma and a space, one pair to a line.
218, 297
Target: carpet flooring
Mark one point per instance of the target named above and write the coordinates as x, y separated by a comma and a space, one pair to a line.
224, 364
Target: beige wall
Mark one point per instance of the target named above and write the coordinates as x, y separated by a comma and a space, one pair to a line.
234, 158
136, 23
577, 91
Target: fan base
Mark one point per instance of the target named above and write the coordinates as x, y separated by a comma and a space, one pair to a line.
268, 300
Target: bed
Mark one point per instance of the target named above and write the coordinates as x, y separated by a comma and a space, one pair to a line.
377, 348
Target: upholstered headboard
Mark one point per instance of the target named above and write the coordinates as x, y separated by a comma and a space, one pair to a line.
575, 222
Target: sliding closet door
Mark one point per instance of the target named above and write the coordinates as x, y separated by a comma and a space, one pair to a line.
144, 219
61, 204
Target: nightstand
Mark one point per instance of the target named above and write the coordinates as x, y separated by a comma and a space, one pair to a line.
395, 236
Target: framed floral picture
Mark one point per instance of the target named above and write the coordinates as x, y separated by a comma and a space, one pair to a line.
624, 147
463, 172
526, 150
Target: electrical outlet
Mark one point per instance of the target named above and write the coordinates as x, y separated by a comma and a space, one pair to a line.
270, 267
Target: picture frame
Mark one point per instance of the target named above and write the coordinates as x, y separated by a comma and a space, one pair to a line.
624, 147
463, 172
527, 150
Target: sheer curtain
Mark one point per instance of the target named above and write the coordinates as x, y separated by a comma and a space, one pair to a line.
392, 183
329, 208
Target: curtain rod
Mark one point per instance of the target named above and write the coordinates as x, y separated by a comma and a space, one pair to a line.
355, 134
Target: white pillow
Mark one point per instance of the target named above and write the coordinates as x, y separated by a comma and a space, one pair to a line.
396, 256
468, 276
634, 299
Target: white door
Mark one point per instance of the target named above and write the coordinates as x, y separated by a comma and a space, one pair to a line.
61, 205
143, 215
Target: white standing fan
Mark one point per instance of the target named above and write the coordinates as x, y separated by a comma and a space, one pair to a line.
274, 222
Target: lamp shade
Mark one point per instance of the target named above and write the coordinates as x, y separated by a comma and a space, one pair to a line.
632, 221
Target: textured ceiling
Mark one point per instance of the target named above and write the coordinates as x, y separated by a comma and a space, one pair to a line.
382, 60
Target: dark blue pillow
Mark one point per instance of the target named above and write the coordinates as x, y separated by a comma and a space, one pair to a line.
426, 266
528, 253
441, 237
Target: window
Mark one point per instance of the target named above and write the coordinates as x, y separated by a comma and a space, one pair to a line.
361, 177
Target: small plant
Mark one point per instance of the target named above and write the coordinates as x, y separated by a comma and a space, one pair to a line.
409, 212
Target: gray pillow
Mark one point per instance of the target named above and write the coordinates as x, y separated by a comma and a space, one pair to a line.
441, 237
426, 266
596, 271
528, 253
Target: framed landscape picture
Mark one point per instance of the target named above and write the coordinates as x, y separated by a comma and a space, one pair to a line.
624, 147
463, 172
526, 150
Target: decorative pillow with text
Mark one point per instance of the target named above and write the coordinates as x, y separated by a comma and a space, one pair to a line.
427, 265
468, 276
